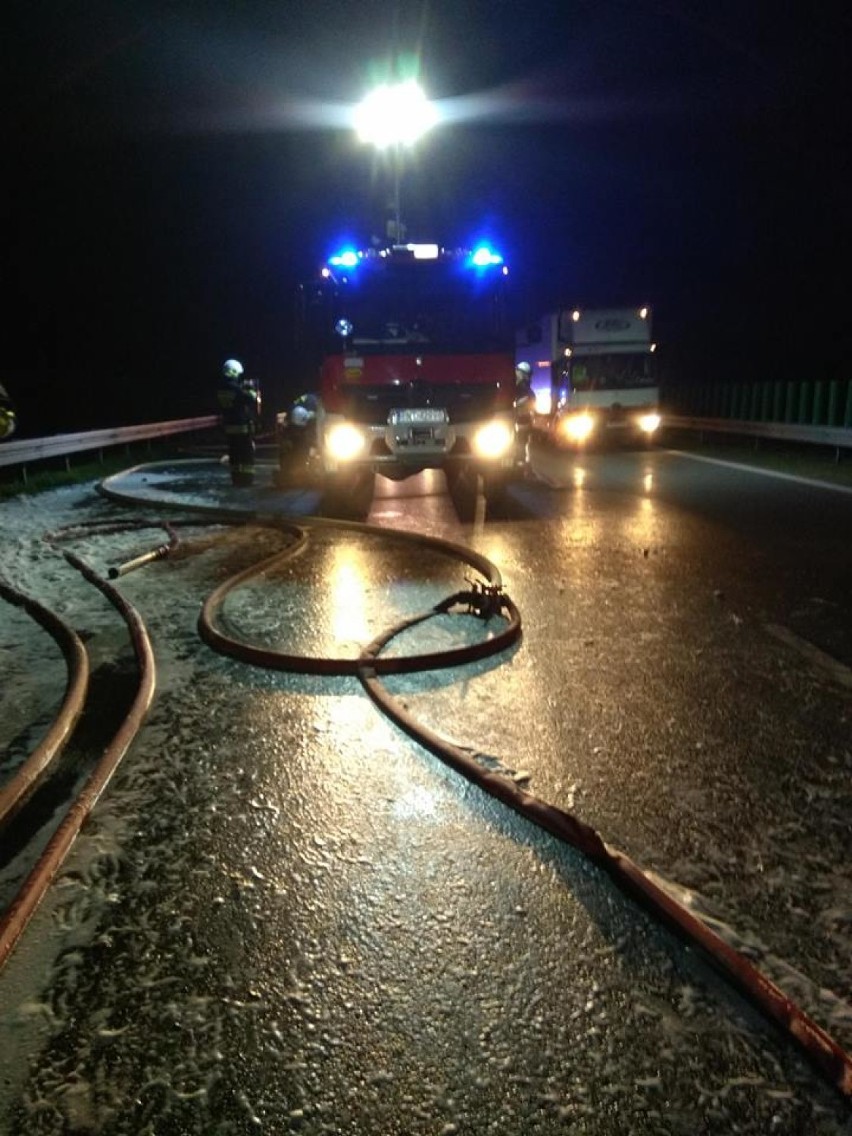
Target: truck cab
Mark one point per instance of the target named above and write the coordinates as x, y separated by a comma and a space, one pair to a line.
415, 366
600, 367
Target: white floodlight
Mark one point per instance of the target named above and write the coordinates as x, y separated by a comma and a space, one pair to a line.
394, 115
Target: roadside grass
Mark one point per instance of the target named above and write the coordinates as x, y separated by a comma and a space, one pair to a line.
56, 473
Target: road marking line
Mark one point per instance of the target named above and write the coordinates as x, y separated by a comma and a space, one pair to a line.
833, 667
766, 472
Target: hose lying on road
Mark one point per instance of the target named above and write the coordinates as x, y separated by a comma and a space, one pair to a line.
487, 601
26, 780
18, 915
479, 598
820, 1047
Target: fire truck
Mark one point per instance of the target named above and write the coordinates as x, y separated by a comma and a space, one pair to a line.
593, 373
413, 352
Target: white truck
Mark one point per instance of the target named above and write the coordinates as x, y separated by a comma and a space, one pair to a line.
593, 374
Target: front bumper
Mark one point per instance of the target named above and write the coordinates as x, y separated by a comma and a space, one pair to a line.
408, 443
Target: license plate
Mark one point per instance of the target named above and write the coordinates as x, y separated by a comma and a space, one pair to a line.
417, 416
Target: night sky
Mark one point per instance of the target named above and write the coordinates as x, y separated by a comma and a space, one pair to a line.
173, 169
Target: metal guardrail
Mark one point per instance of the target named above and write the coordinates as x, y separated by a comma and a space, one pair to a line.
837, 436
26, 451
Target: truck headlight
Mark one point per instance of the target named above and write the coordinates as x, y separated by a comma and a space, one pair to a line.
494, 440
648, 423
577, 427
344, 441
543, 402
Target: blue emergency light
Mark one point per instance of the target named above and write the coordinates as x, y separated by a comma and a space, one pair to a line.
484, 256
348, 258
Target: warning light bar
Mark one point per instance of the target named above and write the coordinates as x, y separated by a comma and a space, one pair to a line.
483, 256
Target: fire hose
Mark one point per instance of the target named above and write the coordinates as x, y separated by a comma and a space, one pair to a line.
26, 780
16, 918
487, 602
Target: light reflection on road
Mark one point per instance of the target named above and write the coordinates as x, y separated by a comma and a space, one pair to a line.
347, 582
385, 949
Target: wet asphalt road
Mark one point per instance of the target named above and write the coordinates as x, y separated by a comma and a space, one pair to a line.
285, 916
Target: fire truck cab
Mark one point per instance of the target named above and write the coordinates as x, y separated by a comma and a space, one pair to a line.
414, 358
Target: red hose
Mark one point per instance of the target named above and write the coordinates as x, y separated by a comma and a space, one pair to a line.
818, 1045
16, 918
30, 775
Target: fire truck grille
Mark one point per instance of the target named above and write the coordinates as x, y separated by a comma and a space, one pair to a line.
371, 405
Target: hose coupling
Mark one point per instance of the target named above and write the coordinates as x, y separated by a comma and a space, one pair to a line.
484, 599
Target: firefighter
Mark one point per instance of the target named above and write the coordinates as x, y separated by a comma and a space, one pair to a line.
239, 403
303, 413
524, 393
297, 437
8, 422
523, 377
524, 412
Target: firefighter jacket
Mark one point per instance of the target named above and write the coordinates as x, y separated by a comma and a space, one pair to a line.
7, 415
240, 406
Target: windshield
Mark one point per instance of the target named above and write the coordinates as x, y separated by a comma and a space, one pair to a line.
425, 306
612, 372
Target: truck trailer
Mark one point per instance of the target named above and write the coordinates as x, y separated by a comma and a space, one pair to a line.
593, 374
413, 351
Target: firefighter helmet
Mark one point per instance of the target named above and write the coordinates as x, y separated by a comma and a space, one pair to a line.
232, 369
525, 369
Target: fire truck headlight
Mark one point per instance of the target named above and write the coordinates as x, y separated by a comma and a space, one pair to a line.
494, 440
648, 423
577, 427
344, 441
